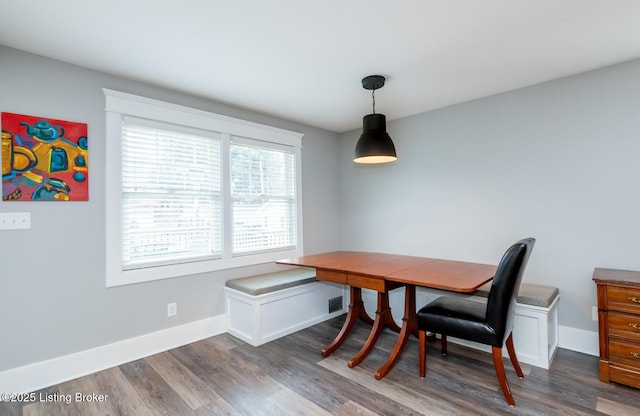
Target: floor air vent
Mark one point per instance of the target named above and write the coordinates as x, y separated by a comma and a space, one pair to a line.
335, 304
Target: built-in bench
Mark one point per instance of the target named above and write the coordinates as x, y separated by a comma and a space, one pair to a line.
265, 307
536, 326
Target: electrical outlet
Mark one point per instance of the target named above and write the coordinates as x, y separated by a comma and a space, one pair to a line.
172, 309
594, 313
15, 220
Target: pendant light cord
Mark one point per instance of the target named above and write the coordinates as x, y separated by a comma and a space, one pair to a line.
373, 97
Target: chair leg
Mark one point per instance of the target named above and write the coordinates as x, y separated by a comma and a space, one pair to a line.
502, 378
422, 346
513, 357
443, 345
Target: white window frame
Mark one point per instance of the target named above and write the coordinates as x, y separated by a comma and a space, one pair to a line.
119, 104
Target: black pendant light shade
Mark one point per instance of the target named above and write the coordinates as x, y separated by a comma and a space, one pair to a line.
374, 145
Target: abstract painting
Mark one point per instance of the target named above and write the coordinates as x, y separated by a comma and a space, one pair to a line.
43, 159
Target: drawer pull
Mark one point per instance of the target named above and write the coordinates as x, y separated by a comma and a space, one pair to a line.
634, 326
635, 355
634, 299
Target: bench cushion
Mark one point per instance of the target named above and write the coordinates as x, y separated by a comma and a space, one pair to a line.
529, 294
271, 282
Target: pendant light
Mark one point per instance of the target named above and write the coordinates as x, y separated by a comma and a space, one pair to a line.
375, 145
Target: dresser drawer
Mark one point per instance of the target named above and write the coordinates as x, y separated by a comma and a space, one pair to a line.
619, 325
624, 325
624, 352
623, 299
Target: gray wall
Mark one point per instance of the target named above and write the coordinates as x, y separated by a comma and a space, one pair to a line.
53, 297
557, 161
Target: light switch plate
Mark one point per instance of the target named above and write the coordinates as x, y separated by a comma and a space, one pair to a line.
172, 309
15, 220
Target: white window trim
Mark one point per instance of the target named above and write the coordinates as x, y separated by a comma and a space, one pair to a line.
119, 104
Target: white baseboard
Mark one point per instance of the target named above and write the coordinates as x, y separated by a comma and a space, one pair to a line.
39, 375
579, 340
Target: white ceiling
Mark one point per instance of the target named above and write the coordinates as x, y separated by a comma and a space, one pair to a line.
303, 60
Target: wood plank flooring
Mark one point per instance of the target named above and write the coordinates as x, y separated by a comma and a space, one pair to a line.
223, 376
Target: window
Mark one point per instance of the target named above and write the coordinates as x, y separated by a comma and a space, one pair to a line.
263, 198
190, 191
171, 194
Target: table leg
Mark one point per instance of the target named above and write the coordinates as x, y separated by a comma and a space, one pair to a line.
409, 326
383, 319
356, 310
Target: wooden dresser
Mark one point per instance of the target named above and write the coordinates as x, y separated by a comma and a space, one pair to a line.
619, 325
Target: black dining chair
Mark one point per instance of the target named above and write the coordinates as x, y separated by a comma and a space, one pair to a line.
489, 323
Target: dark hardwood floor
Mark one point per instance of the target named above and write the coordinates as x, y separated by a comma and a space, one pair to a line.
224, 376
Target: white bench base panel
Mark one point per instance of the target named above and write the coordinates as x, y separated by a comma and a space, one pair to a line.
263, 318
535, 336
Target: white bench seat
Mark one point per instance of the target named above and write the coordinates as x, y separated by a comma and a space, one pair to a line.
529, 294
272, 282
265, 307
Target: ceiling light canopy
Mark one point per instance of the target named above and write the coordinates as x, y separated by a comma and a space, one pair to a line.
375, 145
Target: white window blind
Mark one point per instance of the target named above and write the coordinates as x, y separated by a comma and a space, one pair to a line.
171, 194
263, 195
190, 192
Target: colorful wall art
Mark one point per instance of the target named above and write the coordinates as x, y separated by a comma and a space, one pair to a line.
43, 159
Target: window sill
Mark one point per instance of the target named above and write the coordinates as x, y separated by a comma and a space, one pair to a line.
120, 277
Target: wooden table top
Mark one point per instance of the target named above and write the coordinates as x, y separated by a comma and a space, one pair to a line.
456, 276
449, 275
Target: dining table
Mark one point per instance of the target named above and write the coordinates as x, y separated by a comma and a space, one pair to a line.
383, 272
